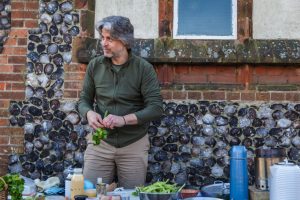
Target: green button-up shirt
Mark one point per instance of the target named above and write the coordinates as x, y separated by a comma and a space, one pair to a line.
132, 89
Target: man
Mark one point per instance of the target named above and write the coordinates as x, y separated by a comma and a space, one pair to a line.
125, 86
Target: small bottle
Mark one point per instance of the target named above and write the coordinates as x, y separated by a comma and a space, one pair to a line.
68, 187
77, 183
100, 188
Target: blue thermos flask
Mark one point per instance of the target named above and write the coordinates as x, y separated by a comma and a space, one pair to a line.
238, 173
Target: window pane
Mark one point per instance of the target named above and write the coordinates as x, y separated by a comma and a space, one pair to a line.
205, 17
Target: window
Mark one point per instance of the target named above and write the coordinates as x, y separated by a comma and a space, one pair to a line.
205, 19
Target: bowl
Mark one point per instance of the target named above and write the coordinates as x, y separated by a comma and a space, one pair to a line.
187, 193
158, 196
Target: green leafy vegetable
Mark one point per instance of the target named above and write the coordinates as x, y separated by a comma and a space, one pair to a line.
15, 185
100, 133
158, 187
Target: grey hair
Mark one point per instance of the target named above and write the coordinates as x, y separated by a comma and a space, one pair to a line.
119, 27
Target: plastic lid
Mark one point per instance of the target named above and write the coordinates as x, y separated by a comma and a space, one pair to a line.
99, 180
238, 152
78, 170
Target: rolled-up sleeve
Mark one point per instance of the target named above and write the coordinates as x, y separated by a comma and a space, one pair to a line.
152, 98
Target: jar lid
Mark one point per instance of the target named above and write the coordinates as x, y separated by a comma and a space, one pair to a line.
80, 197
77, 170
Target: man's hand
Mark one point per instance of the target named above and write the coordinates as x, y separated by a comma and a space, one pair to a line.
94, 119
112, 121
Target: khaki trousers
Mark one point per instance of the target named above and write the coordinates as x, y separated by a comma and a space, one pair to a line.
130, 163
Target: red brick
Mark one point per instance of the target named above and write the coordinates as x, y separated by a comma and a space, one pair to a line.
179, 95
11, 149
70, 94
4, 103
226, 79
195, 95
165, 73
32, 5
73, 85
190, 78
3, 58
182, 70
225, 70
17, 140
11, 77
80, 4
22, 41
8, 86
4, 112
18, 33
11, 41
24, 15
260, 70
276, 70
12, 95
75, 68
6, 68
216, 95
21, 68
17, 6
233, 96
272, 79
262, 96
293, 79
4, 122
204, 70
74, 76
18, 86
8, 50
166, 94
16, 59
277, 96
2, 86
17, 23
4, 140
10, 131
248, 96
292, 96
31, 23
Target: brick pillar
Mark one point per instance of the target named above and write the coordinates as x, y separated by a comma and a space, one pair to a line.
24, 15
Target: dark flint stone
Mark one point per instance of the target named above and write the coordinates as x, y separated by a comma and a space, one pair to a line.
57, 74
275, 131
21, 121
28, 118
35, 101
215, 109
13, 120
168, 120
152, 130
197, 140
82, 143
40, 92
233, 121
46, 38
161, 156
31, 46
52, 158
14, 109
53, 30
39, 164
12, 159
297, 107
182, 109
277, 114
50, 93
193, 108
257, 122
41, 48
48, 69
73, 136
258, 142
68, 18
37, 130
38, 68
38, 144
185, 129
35, 111
52, 49
66, 6
251, 113
294, 153
242, 112
58, 84
45, 153
58, 60
34, 38
180, 120
170, 147
24, 110
35, 31
210, 141
277, 106
221, 121
47, 115
29, 167
45, 105
184, 138
43, 27
236, 132
68, 125
158, 141
57, 18
33, 56
249, 131
64, 48
48, 169
185, 157
64, 29
247, 142
30, 67
291, 115
67, 38
169, 111
54, 104
52, 7
58, 167
58, 40
156, 122
33, 156
234, 141
59, 114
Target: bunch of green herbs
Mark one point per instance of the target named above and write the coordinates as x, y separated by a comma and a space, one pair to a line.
100, 133
15, 185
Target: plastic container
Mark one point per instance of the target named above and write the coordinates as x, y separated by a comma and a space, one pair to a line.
218, 189
238, 173
77, 183
68, 187
100, 188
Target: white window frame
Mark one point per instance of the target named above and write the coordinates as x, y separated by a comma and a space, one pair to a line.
233, 23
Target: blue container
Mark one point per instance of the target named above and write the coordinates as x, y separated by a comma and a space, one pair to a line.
238, 173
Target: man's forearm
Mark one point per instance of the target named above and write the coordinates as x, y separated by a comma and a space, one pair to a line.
130, 119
